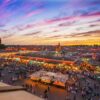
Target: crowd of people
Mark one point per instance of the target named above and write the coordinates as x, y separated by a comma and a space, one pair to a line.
12, 71
85, 87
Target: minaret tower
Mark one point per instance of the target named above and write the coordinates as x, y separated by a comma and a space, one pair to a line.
58, 47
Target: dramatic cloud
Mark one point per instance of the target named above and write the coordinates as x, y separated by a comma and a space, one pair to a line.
49, 21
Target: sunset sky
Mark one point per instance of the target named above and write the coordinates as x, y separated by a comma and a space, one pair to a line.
50, 21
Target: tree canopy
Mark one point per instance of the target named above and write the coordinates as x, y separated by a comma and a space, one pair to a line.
2, 46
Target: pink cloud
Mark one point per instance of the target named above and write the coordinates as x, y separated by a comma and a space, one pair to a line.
94, 14
33, 13
71, 18
7, 1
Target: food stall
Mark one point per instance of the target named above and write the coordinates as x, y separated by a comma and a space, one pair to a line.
57, 79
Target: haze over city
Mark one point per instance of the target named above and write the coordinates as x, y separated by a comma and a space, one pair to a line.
69, 22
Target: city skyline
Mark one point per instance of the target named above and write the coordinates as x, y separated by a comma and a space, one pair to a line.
69, 22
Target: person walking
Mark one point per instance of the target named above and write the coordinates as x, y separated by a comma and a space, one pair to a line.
46, 94
48, 88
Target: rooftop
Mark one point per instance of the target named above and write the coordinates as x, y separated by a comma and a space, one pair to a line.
15, 93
